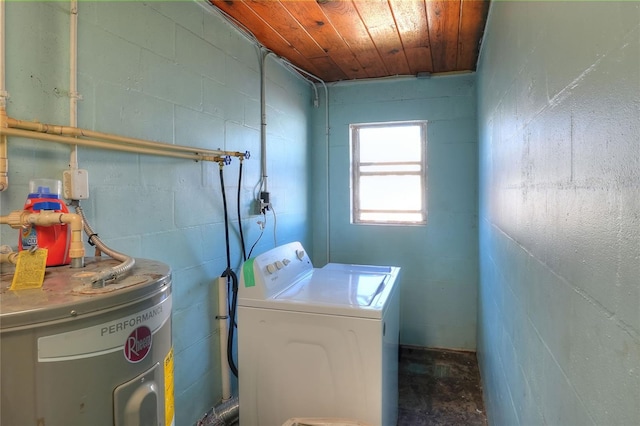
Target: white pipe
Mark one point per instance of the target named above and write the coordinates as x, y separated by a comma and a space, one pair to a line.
263, 119
9, 258
4, 162
22, 218
223, 318
73, 76
327, 174
68, 131
30, 134
7, 255
3, 93
73, 64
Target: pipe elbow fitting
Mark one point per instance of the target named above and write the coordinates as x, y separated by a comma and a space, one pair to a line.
76, 248
17, 219
49, 218
7, 255
11, 258
74, 220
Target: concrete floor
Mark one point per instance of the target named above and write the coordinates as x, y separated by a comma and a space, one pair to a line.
439, 388
436, 388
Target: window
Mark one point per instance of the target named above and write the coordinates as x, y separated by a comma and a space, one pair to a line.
388, 173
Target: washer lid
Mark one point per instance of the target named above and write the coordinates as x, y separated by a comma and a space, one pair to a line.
340, 291
336, 287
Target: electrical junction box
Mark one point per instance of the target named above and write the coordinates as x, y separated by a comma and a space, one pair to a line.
75, 184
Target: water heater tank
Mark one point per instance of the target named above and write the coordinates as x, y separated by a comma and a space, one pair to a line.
71, 354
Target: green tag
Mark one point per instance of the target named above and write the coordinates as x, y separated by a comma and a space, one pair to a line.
247, 271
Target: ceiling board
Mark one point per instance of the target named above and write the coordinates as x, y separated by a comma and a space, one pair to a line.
354, 39
411, 19
377, 17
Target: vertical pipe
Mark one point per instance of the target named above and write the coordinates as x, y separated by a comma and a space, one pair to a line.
4, 164
4, 161
73, 76
263, 119
73, 64
223, 318
3, 93
327, 174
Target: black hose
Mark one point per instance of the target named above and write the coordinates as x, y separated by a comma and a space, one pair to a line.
232, 314
244, 252
228, 273
226, 219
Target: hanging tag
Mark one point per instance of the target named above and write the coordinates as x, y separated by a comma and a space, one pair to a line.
29, 269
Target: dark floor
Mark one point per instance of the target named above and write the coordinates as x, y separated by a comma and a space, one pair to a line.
439, 388
436, 388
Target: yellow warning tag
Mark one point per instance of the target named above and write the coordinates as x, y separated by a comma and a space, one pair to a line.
29, 269
169, 408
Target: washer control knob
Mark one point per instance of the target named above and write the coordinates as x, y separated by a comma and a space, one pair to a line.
271, 268
286, 261
279, 265
300, 254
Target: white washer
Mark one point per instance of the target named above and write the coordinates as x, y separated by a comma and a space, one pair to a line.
317, 342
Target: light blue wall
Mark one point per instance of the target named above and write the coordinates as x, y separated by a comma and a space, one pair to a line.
175, 73
439, 260
559, 305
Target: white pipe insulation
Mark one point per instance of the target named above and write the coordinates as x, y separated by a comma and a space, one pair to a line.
223, 321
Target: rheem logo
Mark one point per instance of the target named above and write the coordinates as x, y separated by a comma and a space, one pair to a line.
138, 344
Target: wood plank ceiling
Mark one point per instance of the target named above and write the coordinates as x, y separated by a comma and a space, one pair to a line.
355, 39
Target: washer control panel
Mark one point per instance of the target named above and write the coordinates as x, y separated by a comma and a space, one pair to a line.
273, 271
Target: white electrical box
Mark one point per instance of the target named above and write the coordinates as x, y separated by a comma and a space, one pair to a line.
75, 184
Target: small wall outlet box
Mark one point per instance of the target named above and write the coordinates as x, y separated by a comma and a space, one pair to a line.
75, 184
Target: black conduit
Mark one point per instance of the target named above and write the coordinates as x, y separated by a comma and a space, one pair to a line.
226, 219
230, 275
244, 252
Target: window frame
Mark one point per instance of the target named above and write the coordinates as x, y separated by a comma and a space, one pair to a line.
356, 173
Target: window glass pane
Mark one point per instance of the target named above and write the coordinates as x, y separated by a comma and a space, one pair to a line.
390, 193
390, 144
391, 217
388, 181
404, 168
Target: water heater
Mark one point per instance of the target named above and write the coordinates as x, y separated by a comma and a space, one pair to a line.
72, 354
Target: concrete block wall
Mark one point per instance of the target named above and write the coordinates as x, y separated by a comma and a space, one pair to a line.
559, 304
438, 260
177, 73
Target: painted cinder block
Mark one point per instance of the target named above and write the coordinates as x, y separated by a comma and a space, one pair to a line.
158, 71
558, 238
139, 24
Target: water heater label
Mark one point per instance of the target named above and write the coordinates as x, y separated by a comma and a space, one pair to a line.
128, 334
169, 403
